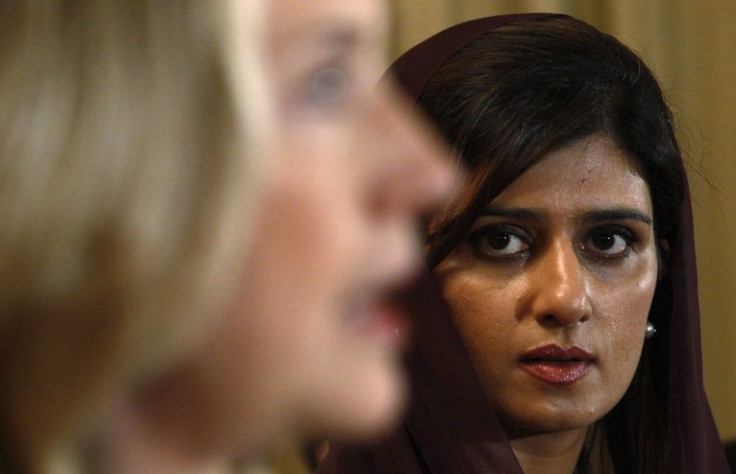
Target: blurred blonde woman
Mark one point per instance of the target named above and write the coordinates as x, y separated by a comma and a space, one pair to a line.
130, 156
143, 326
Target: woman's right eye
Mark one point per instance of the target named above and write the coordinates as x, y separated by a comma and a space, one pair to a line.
500, 241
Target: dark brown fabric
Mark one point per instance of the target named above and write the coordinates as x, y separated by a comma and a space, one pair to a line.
450, 427
694, 444
731, 453
415, 67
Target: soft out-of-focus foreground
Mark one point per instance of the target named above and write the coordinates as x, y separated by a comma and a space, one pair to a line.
691, 47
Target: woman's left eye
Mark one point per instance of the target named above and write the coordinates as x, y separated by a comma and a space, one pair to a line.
328, 87
609, 242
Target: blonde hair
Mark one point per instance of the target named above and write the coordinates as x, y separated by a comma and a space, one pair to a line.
128, 179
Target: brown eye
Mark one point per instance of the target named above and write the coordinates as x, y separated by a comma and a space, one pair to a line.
609, 242
500, 241
605, 242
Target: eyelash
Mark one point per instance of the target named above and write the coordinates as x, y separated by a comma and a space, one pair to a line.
629, 237
479, 237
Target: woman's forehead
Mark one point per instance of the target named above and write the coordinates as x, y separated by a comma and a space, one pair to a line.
320, 20
593, 172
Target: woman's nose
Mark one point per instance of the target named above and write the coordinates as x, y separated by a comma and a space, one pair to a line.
559, 288
418, 172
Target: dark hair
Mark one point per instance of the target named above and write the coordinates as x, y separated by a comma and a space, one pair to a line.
525, 90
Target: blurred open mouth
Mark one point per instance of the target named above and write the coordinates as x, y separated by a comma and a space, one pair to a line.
381, 322
556, 365
378, 311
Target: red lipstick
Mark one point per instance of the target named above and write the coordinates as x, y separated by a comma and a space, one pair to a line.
379, 320
557, 366
389, 325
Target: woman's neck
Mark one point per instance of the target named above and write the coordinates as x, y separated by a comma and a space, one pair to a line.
549, 453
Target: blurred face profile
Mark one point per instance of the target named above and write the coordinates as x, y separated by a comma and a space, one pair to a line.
552, 286
311, 344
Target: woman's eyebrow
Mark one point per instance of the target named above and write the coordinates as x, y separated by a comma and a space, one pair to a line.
517, 213
341, 35
617, 214
345, 37
597, 215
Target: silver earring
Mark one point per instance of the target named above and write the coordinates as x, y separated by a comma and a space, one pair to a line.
650, 331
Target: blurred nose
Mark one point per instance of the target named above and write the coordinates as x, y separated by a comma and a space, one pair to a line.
559, 288
418, 174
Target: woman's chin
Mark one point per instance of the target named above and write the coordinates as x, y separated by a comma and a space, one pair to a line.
383, 412
367, 407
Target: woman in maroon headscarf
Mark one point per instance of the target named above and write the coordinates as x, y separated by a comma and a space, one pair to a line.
568, 250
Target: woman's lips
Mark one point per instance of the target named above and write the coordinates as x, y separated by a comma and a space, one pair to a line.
382, 323
557, 366
378, 313
390, 326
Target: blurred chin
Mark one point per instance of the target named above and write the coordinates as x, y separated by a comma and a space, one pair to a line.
367, 408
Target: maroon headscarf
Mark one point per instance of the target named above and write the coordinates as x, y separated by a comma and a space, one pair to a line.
450, 426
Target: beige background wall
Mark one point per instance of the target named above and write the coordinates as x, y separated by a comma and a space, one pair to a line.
691, 45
